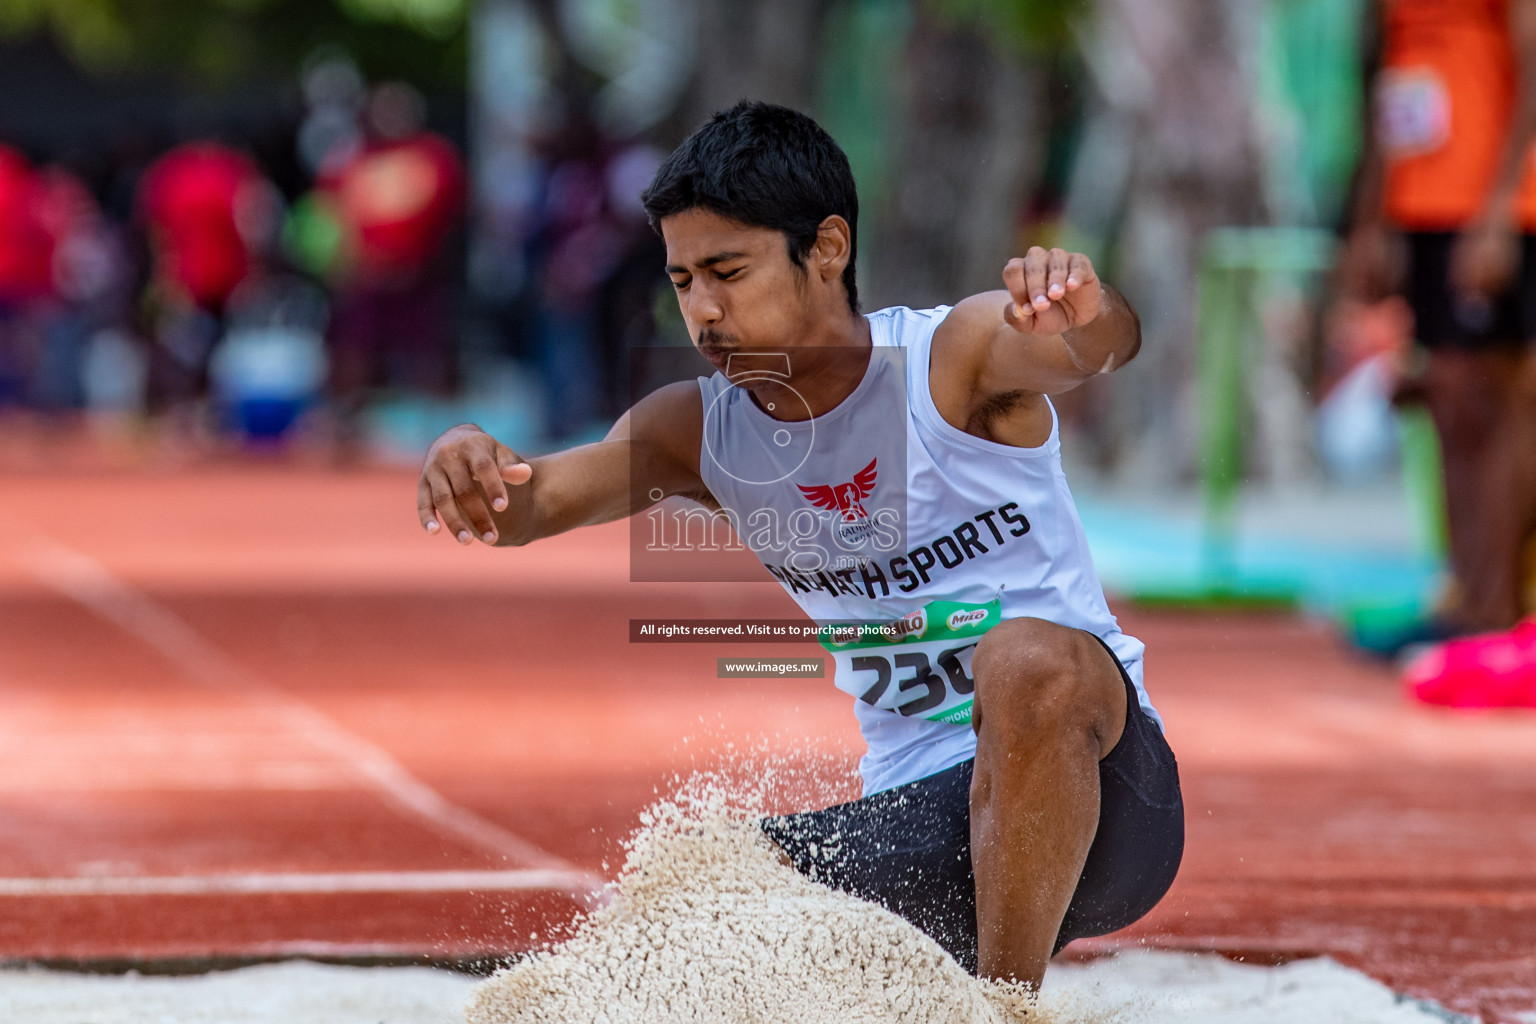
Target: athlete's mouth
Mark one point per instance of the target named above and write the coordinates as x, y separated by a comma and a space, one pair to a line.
710, 345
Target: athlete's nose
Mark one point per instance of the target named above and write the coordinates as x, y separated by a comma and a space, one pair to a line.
703, 308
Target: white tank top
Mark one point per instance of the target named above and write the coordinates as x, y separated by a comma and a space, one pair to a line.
880, 512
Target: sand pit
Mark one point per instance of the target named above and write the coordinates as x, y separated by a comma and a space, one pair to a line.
1154, 987
1137, 988
706, 924
295, 992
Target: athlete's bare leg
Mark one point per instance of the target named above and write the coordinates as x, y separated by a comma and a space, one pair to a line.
1468, 395
1507, 500
1050, 704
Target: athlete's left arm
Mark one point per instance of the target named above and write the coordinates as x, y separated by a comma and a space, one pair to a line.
1054, 327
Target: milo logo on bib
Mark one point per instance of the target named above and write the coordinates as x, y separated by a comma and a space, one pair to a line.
917, 665
962, 618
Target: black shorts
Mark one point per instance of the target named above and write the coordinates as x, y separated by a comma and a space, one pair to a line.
909, 848
1443, 319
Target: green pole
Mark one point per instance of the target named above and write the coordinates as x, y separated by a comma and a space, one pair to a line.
1237, 268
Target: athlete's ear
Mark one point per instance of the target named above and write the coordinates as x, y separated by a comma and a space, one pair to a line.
834, 247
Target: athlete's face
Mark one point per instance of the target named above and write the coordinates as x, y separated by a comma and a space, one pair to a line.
738, 289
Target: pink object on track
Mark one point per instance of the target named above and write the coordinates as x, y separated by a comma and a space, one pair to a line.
1490, 670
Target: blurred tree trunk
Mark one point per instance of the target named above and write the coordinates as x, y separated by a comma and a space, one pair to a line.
969, 151
761, 51
967, 142
1171, 150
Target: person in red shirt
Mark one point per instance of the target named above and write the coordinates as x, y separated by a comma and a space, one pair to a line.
1449, 167
204, 207
26, 244
26, 255
192, 200
47, 217
398, 199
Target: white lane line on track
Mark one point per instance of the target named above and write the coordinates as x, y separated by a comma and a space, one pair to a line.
263, 883
91, 584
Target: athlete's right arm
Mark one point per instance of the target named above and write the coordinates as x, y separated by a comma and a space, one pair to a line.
473, 486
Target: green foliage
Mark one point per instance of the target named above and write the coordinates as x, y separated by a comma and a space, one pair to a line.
96, 31
865, 40
312, 235
436, 18
1309, 90
218, 42
1028, 26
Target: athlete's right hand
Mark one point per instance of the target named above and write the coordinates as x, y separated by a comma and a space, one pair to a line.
463, 479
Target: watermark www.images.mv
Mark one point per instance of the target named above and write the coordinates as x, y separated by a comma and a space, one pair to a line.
770, 668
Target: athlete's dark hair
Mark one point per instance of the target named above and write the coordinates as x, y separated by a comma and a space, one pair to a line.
765, 166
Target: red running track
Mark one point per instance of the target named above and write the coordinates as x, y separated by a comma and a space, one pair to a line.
254, 711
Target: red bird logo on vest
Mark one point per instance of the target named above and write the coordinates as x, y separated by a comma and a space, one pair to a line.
845, 498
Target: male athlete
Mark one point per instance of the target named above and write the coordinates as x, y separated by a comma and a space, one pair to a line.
1018, 791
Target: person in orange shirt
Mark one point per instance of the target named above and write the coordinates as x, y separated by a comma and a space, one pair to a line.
1449, 167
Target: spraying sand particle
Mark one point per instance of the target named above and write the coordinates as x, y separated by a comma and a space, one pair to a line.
708, 924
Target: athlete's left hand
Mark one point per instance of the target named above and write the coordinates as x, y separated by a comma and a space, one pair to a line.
1053, 291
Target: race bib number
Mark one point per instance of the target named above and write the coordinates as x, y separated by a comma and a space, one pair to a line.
1413, 112
919, 665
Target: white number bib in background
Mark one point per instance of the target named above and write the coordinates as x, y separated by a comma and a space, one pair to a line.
1413, 111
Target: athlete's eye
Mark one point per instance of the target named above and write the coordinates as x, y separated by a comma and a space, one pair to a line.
680, 285
726, 275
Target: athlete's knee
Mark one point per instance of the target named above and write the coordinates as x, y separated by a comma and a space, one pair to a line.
1031, 673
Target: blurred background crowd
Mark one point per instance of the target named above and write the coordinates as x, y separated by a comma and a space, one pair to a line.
339, 226
208, 208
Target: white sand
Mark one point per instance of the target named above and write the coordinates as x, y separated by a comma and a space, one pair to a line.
296, 992
1136, 988
708, 925
1186, 988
